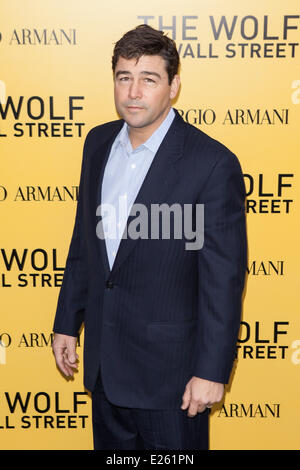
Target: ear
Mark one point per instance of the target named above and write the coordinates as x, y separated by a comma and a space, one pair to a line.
175, 84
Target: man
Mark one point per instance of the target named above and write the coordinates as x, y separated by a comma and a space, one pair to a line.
161, 317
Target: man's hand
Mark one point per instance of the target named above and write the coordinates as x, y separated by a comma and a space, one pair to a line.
201, 394
64, 349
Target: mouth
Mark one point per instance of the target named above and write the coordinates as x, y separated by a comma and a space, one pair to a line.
134, 108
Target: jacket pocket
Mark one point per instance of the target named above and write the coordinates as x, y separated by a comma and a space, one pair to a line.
171, 332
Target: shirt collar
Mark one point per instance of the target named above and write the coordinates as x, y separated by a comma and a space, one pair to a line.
154, 140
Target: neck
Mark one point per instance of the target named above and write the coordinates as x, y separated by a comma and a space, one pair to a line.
139, 135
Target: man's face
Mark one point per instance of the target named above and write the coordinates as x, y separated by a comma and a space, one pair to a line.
142, 91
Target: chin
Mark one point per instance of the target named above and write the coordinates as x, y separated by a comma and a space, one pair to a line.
132, 119
134, 122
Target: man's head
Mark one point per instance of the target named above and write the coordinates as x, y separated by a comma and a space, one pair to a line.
144, 40
145, 65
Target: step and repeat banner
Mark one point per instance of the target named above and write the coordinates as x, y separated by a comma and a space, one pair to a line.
241, 85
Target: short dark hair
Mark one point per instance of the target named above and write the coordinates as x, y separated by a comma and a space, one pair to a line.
145, 40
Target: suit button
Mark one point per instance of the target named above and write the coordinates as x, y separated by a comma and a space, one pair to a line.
109, 285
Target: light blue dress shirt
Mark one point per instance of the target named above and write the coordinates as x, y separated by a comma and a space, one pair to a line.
123, 177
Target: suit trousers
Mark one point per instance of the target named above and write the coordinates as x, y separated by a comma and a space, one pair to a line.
120, 428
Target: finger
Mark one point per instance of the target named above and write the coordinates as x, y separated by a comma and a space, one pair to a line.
186, 399
61, 362
59, 358
201, 408
193, 409
70, 366
62, 366
62, 353
68, 362
71, 353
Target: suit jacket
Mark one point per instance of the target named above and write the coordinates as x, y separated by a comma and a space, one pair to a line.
163, 313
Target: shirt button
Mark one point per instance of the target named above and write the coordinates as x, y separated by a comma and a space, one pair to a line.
133, 165
109, 285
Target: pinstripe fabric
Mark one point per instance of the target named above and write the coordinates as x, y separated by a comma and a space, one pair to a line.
123, 176
162, 314
122, 428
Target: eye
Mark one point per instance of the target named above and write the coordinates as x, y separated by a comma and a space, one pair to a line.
123, 79
149, 80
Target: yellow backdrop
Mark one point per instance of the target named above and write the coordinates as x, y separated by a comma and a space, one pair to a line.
241, 85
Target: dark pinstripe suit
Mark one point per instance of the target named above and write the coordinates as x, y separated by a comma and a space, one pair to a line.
164, 313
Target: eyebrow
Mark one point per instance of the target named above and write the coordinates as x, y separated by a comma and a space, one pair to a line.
144, 72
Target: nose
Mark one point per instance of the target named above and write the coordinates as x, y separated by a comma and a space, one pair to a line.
135, 91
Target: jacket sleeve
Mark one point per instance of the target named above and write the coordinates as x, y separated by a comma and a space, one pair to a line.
73, 293
222, 263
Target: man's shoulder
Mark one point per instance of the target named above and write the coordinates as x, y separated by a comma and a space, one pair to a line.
205, 152
206, 156
102, 132
202, 142
106, 127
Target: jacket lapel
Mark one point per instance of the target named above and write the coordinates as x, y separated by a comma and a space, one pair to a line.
158, 183
98, 162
